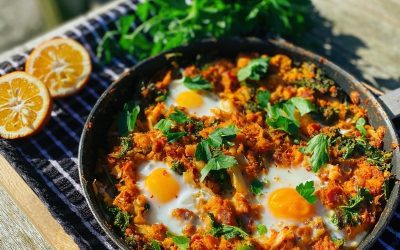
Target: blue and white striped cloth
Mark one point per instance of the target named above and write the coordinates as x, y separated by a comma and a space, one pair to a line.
48, 160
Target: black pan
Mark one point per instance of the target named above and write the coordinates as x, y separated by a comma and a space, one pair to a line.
127, 87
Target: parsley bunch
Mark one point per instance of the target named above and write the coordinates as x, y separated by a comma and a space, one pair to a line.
164, 24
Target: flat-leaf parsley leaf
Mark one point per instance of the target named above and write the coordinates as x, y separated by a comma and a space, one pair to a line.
318, 148
307, 190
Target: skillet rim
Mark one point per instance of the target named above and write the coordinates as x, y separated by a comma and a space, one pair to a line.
391, 203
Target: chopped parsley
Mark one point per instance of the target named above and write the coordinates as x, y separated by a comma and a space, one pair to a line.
155, 245
256, 187
125, 146
318, 148
127, 118
303, 105
178, 167
261, 229
178, 116
229, 232
360, 126
182, 242
349, 213
254, 70
307, 190
281, 116
208, 150
245, 246
262, 98
121, 219
164, 125
197, 83
218, 162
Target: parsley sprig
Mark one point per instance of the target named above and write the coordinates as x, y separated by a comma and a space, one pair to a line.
281, 116
127, 118
307, 190
197, 83
160, 25
318, 148
208, 150
254, 70
182, 242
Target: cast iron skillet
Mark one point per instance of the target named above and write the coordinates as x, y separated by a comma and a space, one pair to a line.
127, 88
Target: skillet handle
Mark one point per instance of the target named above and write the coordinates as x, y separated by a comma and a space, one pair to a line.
391, 103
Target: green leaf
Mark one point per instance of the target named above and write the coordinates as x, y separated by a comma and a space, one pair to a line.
121, 219
197, 83
222, 136
155, 245
229, 232
175, 136
303, 105
127, 119
182, 242
254, 70
245, 246
360, 126
318, 147
307, 190
261, 229
125, 146
178, 116
124, 23
107, 47
338, 242
218, 162
164, 125
203, 152
256, 187
262, 98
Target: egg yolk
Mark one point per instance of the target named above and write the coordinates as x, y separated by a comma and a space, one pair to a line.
189, 99
286, 203
162, 185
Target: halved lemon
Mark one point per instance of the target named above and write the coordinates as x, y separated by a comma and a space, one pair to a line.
25, 105
62, 64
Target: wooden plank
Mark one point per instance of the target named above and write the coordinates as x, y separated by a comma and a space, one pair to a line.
34, 210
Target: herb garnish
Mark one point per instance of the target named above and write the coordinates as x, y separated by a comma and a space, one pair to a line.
261, 229
197, 83
155, 245
245, 246
229, 232
218, 162
127, 118
349, 213
318, 148
349, 147
164, 125
360, 126
256, 187
182, 242
307, 190
165, 24
254, 70
282, 115
125, 146
121, 219
208, 150
262, 98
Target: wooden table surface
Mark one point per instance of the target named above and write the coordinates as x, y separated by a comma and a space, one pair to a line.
361, 36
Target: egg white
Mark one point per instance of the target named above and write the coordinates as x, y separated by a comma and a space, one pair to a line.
282, 178
187, 198
277, 178
210, 100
